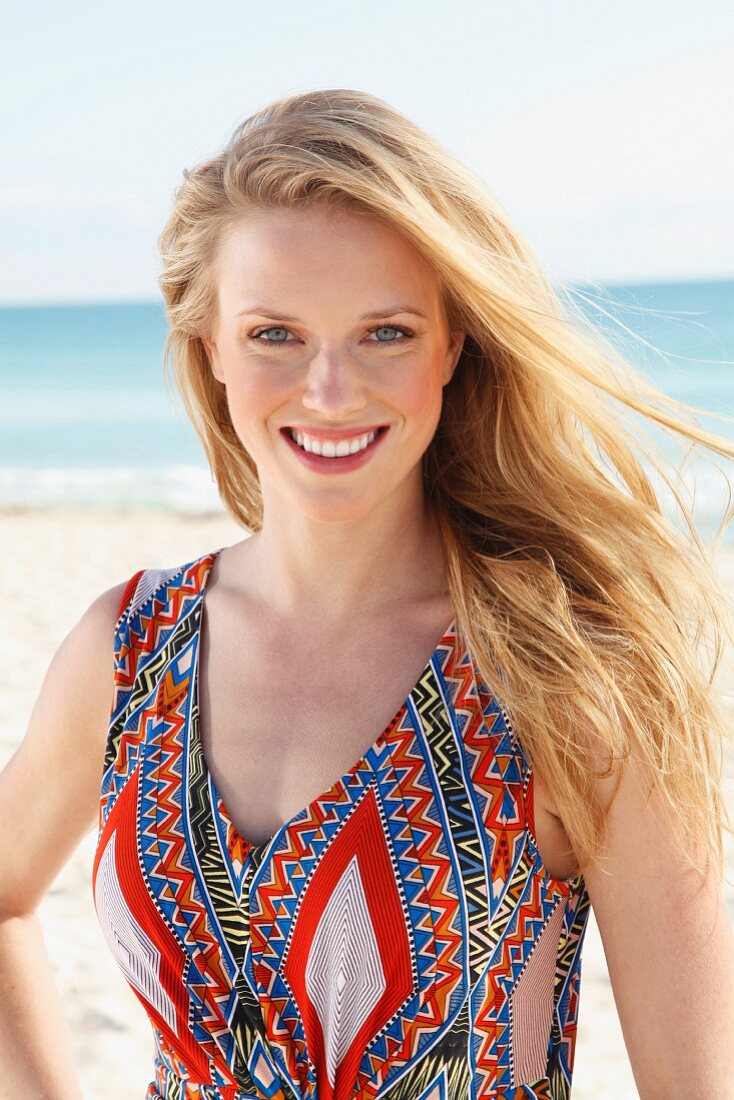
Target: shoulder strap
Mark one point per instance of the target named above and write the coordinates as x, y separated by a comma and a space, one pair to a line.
129, 592
141, 586
130, 655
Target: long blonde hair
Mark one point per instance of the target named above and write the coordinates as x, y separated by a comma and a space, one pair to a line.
587, 612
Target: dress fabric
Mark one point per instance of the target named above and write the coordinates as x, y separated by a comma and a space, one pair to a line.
398, 937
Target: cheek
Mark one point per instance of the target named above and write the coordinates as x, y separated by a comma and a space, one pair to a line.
419, 394
253, 393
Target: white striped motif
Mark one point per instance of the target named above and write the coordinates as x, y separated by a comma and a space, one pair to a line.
344, 975
531, 1006
135, 953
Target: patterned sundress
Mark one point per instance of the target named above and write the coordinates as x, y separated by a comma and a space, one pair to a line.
398, 937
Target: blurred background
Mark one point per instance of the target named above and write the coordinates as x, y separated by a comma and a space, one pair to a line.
602, 131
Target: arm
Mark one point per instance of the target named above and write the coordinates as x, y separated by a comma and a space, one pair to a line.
669, 946
49, 800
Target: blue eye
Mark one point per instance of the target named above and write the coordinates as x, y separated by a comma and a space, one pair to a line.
273, 328
391, 328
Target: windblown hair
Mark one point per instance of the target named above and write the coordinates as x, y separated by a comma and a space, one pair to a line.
587, 611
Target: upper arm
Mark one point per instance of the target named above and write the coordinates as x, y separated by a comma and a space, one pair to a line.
50, 787
669, 948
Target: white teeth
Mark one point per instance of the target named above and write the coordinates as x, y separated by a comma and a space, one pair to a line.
329, 449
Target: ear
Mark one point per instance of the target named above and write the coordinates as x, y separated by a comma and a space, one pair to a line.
213, 356
453, 354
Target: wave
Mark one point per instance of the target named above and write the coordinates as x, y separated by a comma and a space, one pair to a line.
707, 490
180, 488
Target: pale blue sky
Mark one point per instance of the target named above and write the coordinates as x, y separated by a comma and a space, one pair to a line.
601, 128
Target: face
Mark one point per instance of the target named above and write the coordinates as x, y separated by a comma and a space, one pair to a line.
330, 329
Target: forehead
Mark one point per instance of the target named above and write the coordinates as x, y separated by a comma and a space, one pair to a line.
319, 252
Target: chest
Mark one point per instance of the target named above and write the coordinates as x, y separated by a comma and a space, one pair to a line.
279, 723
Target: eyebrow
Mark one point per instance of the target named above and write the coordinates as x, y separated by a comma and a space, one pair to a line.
388, 311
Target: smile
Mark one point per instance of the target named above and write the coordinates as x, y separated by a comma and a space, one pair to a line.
342, 455
331, 449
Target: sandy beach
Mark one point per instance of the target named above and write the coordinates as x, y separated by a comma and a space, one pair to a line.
51, 568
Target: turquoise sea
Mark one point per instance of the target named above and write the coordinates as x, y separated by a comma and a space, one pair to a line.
85, 418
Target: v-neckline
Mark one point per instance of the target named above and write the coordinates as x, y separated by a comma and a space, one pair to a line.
339, 786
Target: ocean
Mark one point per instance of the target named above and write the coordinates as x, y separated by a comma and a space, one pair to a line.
86, 420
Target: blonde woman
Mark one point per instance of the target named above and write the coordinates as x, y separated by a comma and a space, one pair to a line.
364, 772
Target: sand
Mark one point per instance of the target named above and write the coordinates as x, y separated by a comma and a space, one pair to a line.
51, 568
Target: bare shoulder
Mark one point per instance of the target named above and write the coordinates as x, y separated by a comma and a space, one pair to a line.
86, 653
50, 786
79, 682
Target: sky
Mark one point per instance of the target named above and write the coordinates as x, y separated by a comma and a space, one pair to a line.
600, 128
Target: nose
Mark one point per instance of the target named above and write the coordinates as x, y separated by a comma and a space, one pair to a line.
334, 386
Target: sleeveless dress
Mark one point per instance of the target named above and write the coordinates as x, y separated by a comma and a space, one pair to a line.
398, 937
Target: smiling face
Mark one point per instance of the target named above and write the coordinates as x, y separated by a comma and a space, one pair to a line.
330, 327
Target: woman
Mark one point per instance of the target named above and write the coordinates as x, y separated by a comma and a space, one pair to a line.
398, 409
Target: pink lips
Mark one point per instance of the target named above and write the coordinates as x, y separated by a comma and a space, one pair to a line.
336, 465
